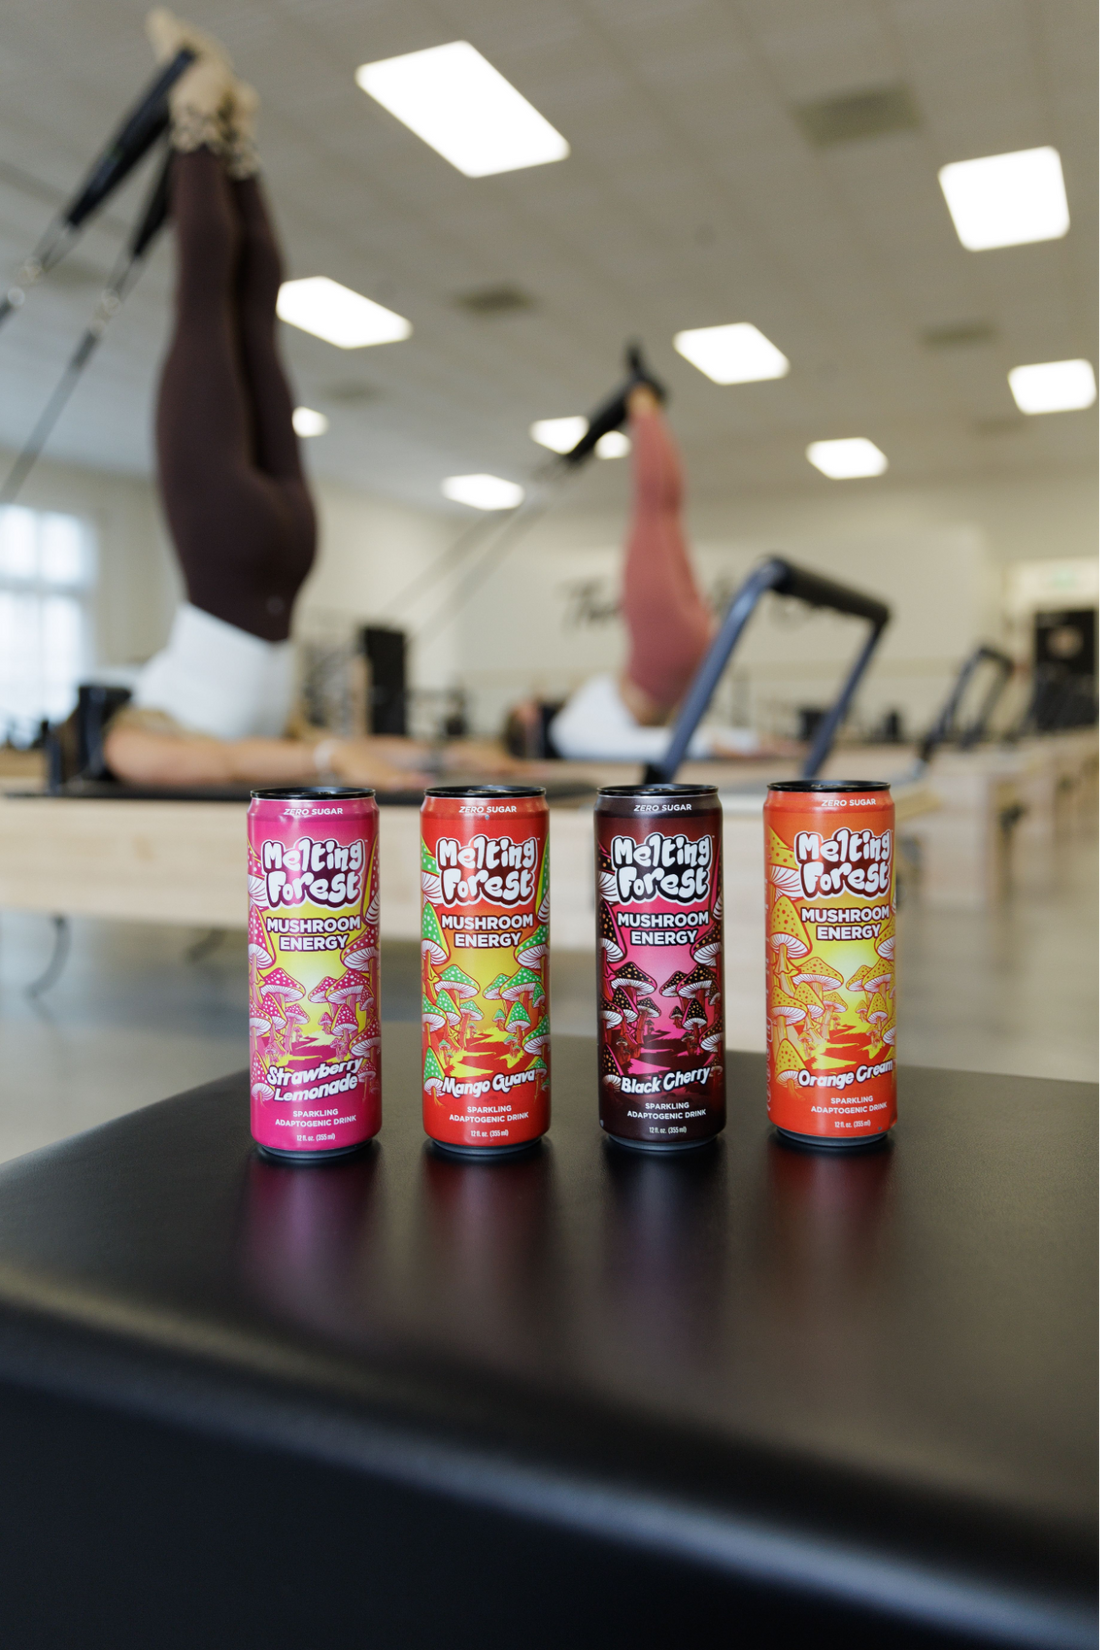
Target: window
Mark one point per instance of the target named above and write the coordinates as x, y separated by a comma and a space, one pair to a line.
47, 569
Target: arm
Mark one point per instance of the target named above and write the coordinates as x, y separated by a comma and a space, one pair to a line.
144, 757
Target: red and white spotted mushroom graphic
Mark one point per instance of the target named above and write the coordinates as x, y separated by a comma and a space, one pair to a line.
257, 882
320, 992
364, 1047
260, 950
259, 1024
345, 1027
278, 987
361, 949
349, 988
257, 1079
296, 1018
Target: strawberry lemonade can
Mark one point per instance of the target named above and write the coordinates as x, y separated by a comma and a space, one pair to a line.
829, 865
485, 953
660, 968
313, 972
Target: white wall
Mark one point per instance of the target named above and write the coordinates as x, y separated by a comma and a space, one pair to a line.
937, 555
368, 550
136, 589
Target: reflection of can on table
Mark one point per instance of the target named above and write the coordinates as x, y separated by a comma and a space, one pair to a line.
829, 857
485, 946
660, 964
313, 971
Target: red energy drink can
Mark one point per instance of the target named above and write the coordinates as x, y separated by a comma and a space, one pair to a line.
315, 1071
829, 860
660, 965
485, 961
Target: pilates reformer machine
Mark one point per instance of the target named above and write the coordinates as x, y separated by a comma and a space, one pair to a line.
141, 129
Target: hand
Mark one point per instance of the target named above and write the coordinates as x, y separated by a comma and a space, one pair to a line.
386, 764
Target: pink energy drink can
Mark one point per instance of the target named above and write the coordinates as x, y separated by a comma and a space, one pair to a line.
315, 1042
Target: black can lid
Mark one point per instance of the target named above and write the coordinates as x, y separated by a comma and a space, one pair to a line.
658, 790
819, 785
314, 793
489, 791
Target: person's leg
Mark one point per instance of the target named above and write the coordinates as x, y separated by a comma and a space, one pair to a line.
243, 545
669, 625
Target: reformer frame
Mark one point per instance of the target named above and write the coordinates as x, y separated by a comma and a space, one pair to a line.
943, 728
784, 579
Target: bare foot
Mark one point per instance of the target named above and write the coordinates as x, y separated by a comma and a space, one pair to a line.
642, 401
644, 709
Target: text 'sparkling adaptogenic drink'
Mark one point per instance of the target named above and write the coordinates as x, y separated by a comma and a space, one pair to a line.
660, 965
313, 971
829, 862
485, 943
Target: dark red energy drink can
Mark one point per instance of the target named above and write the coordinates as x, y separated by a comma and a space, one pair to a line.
660, 1022
485, 967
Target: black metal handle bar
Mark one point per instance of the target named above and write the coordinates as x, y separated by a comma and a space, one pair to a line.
944, 724
785, 579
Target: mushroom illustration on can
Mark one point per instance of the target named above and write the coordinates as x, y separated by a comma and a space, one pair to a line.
659, 1012
313, 972
484, 878
829, 879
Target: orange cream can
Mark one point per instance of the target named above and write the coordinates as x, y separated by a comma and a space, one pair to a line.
830, 915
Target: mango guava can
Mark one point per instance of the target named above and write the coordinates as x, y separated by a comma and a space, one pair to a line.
485, 966
830, 924
660, 965
313, 908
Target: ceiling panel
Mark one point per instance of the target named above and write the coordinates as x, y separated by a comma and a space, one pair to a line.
692, 196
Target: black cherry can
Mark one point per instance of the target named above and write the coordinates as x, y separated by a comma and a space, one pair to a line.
660, 966
485, 967
832, 1003
313, 909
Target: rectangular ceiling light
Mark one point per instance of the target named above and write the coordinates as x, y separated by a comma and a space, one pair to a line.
735, 354
1007, 200
847, 459
559, 434
339, 315
464, 109
1053, 386
483, 492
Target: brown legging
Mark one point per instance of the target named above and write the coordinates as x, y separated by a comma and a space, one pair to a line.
231, 480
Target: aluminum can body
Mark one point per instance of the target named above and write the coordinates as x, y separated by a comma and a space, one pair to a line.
485, 967
315, 1054
830, 916
660, 965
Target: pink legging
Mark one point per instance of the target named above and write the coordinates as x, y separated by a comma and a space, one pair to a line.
670, 627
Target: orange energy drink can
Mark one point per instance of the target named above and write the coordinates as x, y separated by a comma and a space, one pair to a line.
829, 865
485, 965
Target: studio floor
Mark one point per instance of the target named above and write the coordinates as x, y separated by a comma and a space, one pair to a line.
135, 1016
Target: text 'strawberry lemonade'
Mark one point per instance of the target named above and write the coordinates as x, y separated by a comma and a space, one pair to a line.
485, 881
829, 859
315, 1074
660, 965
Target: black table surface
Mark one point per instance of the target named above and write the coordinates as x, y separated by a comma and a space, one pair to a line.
870, 1376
